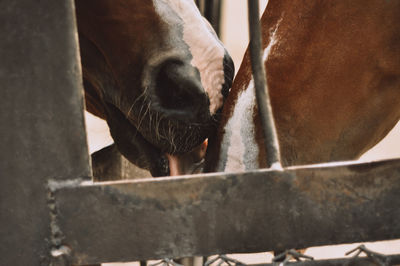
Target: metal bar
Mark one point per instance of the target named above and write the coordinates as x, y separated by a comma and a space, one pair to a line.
359, 261
260, 83
230, 213
211, 10
213, 14
42, 134
201, 5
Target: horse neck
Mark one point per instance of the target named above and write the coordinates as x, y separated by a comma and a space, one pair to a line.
239, 138
304, 43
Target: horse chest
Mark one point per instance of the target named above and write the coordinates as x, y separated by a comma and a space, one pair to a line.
240, 149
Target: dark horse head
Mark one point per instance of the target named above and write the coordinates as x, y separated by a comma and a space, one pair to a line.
156, 71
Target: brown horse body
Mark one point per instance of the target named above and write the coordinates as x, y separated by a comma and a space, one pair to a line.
333, 73
157, 73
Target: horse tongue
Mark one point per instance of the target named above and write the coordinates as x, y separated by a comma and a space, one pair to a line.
188, 163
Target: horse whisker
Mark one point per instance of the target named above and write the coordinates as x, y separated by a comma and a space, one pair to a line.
143, 94
143, 116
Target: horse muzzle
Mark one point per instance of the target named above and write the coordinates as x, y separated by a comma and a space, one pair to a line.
176, 92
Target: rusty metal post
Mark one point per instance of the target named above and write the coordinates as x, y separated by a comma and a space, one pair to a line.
260, 83
42, 135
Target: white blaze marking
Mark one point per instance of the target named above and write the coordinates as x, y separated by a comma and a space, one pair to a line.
271, 43
242, 153
207, 51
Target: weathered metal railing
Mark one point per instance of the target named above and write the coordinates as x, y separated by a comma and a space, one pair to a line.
203, 215
52, 213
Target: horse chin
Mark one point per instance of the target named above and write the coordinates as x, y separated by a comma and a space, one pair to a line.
173, 134
176, 138
188, 163
183, 152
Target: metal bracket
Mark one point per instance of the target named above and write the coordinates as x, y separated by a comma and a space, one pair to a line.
166, 262
222, 259
288, 255
379, 259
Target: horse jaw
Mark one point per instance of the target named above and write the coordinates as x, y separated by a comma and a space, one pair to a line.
188, 163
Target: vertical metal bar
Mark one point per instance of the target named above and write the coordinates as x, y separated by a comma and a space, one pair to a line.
42, 134
260, 84
213, 14
201, 5
211, 10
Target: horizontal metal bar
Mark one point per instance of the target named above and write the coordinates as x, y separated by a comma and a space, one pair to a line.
218, 214
358, 261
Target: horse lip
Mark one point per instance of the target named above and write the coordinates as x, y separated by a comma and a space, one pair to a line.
175, 114
176, 135
191, 162
160, 166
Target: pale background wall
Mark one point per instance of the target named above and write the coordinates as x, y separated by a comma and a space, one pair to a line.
235, 36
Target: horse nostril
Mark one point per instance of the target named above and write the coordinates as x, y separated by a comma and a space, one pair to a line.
178, 89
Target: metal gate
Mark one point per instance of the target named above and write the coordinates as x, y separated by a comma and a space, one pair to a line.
52, 213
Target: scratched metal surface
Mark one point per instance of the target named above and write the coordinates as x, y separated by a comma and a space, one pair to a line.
245, 212
42, 132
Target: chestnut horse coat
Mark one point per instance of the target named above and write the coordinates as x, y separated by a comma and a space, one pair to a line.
333, 73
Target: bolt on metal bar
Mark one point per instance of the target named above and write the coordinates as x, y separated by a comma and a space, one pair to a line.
260, 84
